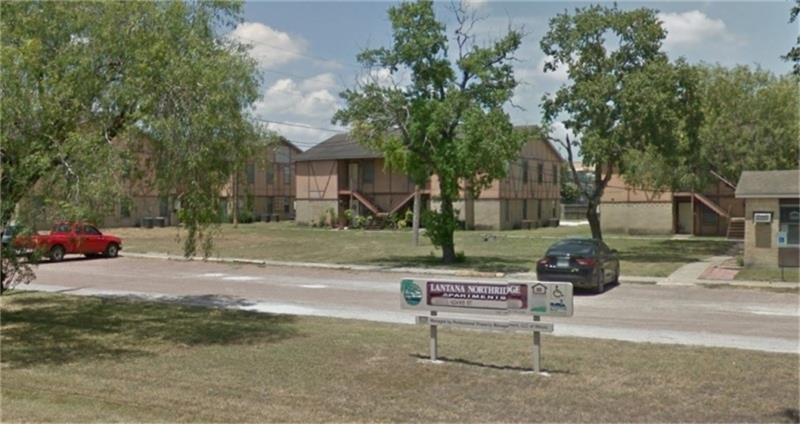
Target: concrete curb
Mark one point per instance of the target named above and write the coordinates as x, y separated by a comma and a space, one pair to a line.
660, 281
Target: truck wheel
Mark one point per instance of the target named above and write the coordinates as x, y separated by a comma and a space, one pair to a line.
57, 253
112, 250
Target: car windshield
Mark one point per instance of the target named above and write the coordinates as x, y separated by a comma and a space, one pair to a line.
573, 248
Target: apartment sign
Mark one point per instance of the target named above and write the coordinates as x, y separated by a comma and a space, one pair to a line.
534, 298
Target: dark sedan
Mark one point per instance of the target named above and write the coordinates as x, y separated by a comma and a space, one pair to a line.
586, 263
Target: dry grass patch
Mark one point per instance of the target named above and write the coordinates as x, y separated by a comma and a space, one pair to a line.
89, 359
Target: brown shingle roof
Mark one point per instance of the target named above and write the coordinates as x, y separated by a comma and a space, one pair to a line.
769, 184
340, 146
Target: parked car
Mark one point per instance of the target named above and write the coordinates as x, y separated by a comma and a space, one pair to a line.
10, 232
72, 237
586, 263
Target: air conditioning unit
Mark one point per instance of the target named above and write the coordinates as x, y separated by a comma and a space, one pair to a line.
762, 217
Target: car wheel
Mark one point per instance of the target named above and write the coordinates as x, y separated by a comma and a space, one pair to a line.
599, 286
57, 253
616, 277
112, 250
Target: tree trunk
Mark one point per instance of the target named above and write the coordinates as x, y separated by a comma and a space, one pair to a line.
415, 219
236, 197
448, 246
594, 219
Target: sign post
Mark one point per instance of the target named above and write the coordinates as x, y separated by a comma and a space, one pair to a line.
537, 349
488, 297
434, 339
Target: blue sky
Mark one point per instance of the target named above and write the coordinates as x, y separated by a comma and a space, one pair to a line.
306, 50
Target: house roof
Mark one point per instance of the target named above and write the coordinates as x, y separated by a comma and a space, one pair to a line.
341, 146
769, 184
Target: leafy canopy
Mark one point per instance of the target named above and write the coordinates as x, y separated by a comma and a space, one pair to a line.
438, 113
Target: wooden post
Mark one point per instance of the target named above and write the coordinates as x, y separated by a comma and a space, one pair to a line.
415, 220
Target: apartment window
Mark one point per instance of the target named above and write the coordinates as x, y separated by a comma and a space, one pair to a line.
270, 174
250, 170
287, 174
709, 217
286, 205
367, 172
540, 173
790, 222
282, 155
524, 165
524, 208
163, 206
270, 205
555, 174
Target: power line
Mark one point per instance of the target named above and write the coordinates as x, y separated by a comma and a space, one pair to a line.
291, 124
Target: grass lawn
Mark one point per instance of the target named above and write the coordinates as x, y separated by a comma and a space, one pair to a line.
67, 358
768, 274
505, 251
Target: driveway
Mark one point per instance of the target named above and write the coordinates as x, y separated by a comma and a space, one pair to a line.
739, 318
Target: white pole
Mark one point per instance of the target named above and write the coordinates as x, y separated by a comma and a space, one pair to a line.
433, 341
537, 349
415, 221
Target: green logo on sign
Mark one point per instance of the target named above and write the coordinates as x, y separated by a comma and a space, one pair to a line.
411, 292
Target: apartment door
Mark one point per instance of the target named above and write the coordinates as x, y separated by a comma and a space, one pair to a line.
685, 218
352, 176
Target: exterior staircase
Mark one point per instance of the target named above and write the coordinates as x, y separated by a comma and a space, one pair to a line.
736, 228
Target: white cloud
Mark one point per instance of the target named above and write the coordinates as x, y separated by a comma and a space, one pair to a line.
692, 27
269, 47
307, 105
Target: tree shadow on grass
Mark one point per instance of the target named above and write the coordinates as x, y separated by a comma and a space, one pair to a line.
477, 263
46, 329
672, 251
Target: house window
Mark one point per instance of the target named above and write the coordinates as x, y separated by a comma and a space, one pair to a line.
790, 223
524, 165
287, 174
250, 169
540, 173
270, 174
367, 173
709, 217
282, 155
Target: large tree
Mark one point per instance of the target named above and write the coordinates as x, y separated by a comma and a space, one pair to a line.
623, 95
447, 120
88, 87
750, 122
793, 55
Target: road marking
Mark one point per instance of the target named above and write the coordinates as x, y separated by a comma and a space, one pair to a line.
240, 278
782, 312
212, 274
313, 286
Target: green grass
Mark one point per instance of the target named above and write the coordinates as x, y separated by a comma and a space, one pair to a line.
769, 274
504, 251
71, 359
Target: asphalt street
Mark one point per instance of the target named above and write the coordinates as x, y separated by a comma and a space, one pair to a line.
739, 318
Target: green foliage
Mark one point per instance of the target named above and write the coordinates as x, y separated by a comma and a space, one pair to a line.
448, 120
750, 122
439, 227
89, 89
623, 95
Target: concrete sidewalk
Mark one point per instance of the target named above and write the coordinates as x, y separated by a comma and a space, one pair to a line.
687, 275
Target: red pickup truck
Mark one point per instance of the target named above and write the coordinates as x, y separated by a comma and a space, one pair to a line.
72, 237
